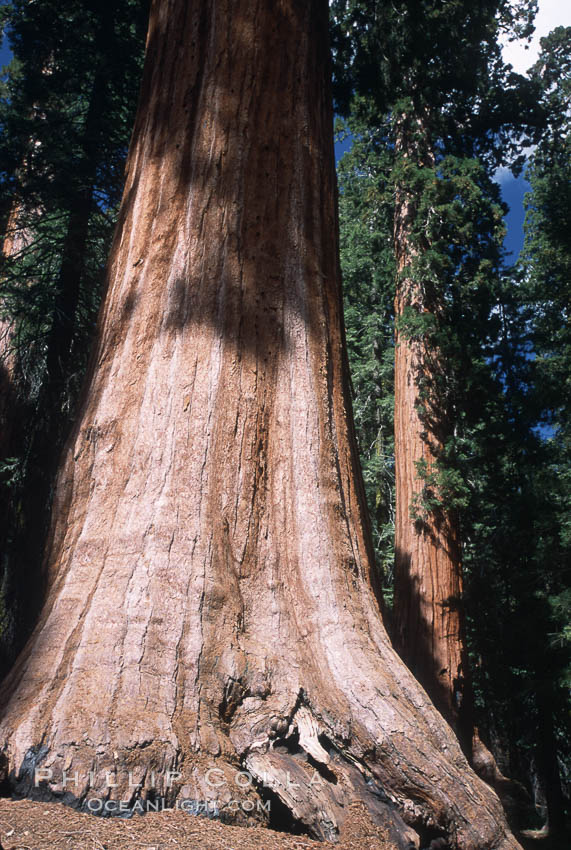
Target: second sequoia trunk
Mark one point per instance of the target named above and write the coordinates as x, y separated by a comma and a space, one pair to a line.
428, 616
211, 602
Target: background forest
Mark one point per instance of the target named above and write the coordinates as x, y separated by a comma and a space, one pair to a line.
432, 112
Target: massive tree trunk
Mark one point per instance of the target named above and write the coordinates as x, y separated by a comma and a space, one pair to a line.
211, 601
429, 622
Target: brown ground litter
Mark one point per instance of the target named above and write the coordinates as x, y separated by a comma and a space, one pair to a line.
25, 825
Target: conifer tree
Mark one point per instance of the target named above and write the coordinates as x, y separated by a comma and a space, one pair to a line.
448, 109
545, 298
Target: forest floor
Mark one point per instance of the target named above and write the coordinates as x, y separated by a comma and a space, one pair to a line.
25, 825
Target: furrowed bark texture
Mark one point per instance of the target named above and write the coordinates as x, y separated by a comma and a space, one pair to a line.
429, 622
210, 593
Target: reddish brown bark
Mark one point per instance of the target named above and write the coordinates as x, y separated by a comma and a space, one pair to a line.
429, 621
211, 601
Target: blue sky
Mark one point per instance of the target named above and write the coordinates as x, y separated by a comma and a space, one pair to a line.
513, 192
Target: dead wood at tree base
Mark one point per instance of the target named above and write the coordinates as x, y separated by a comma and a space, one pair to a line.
305, 794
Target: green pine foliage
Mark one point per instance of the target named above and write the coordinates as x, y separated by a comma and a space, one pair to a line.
66, 116
365, 214
546, 303
543, 302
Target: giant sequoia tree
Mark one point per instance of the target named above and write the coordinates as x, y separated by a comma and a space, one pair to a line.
447, 108
210, 600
